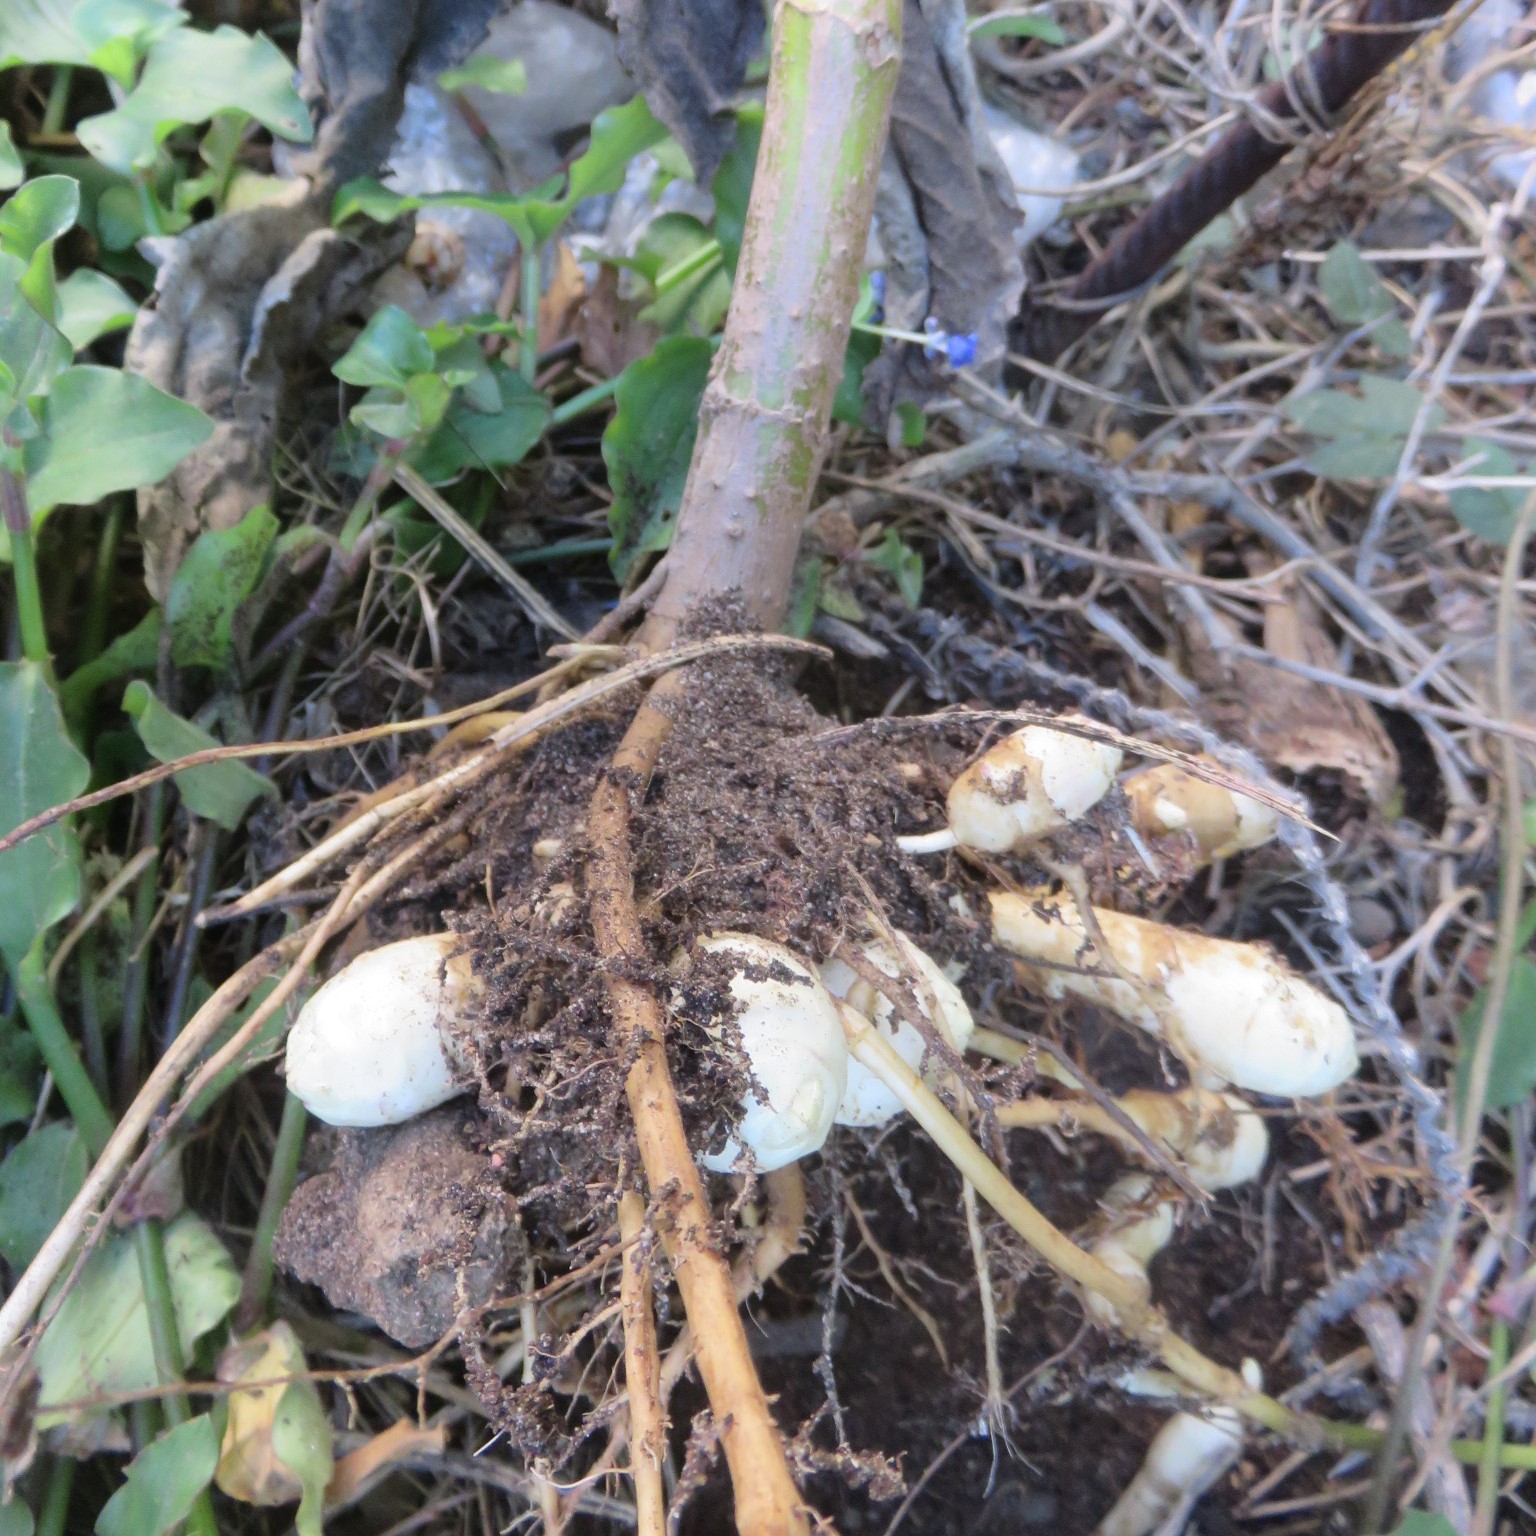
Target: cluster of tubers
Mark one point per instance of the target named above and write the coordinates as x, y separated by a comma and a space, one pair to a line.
374, 1045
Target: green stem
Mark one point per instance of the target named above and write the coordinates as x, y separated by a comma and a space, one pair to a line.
56, 113
91, 1035
136, 975
531, 290
56, 1492
98, 606
695, 262
29, 594
1493, 1435
587, 400
59, 1054
561, 549
256, 1286
379, 476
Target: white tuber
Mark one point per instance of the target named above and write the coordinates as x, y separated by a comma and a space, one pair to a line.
866, 1101
1233, 1011
1186, 1458
793, 1040
1140, 1226
1029, 785
1166, 799
371, 1047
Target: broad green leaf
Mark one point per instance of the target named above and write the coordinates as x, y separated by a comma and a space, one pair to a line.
387, 413
1365, 432
1417, 1522
474, 439
390, 348
649, 443
16, 1519
164, 1481
40, 767
618, 135
36, 215
218, 573
1356, 458
120, 32
11, 173
1012, 25
104, 430
21, 1072
33, 353
136, 651
1514, 1052
1350, 287
1491, 513
91, 305
223, 791
506, 77
301, 1440
98, 1342
41, 1174
188, 77
40, 32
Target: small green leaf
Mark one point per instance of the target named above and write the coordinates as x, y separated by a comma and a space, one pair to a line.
120, 32
164, 1481
41, 1174
474, 439
33, 353
11, 173
301, 1440
20, 1073
914, 424
219, 572
1365, 432
1013, 25
648, 445
91, 305
732, 185
390, 348
219, 791
188, 77
98, 1342
1489, 512
903, 563
104, 430
1352, 291
1514, 1052
40, 767
136, 651
1416, 1522
430, 394
33, 218
804, 597
506, 77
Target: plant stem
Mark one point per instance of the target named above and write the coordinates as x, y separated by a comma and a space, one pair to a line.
1486, 1512
98, 605
56, 111
29, 595
90, 1115
256, 1284
763, 420
531, 288
56, 1491
587, 400
136, 974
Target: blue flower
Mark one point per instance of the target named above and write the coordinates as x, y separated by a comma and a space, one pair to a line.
958, 351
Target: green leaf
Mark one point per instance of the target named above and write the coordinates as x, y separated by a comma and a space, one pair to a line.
188, 77
32, 352
104, 430
1514, 1052
98, 1342
506, 77
903, 563
618, 135
1365, 432
1416, 1522
218, 573
301, 1440
219, 791
11, 173
1350, 287
20, 1073
40, 767
164, 1481
389, 349
732, 185
474, 439
41, 1174
914, 424
136, 651
16, 1519
33, 218
1492, 512
120, 32
1006, 25
648, 444
39, 32
91, 305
